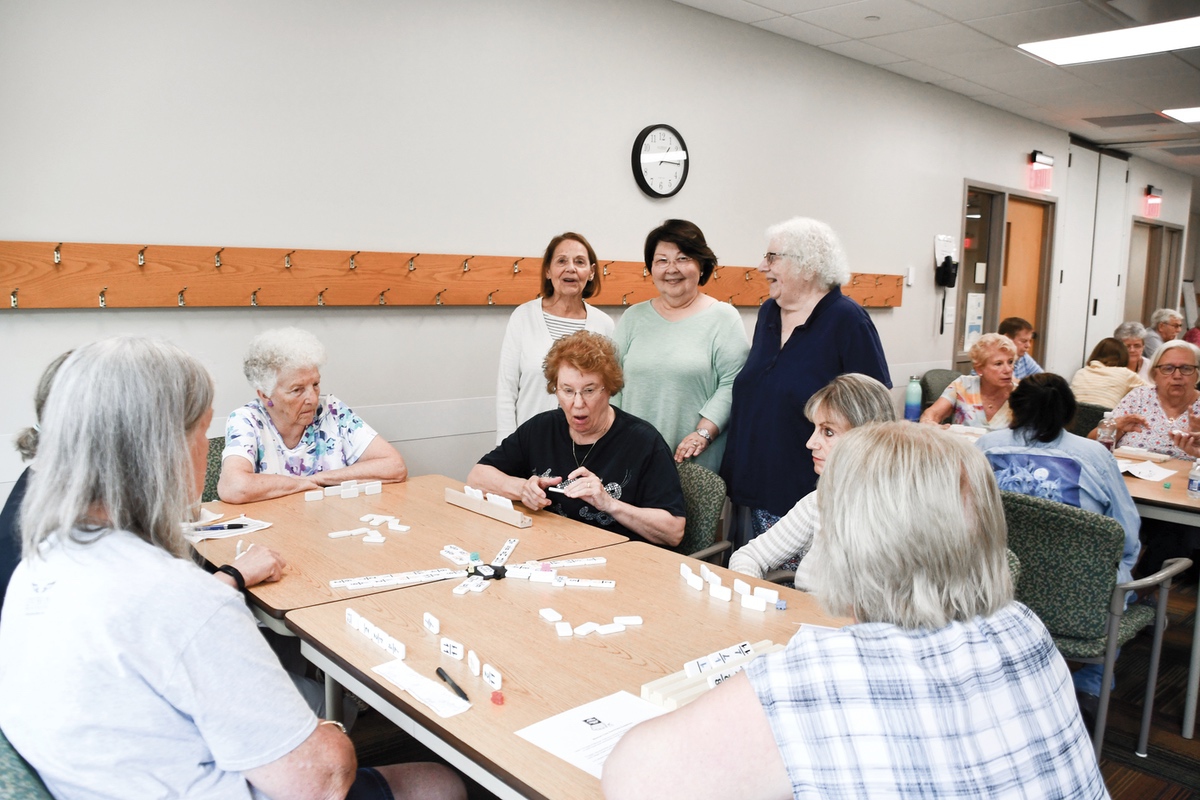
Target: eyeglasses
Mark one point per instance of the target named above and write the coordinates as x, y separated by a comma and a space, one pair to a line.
579, 263
587, 393
1184, 369
680, 262
771, 258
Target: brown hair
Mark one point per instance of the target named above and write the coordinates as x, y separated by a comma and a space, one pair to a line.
592, 286
1110, 352
586, 352
1011, 326
688, 237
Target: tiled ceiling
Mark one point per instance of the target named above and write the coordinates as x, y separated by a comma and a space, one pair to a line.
969, 47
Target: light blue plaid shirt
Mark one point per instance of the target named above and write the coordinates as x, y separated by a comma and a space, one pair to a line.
1025, 367
984, 708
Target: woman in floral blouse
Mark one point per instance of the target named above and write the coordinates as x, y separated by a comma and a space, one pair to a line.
291, 437
1147, 415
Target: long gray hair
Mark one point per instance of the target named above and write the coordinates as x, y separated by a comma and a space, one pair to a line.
114, 454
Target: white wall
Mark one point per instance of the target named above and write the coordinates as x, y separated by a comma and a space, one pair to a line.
454, 127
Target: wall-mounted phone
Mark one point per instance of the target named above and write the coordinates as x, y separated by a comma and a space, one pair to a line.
946, 273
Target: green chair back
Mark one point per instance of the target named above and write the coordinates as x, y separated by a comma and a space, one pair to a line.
18, 780
704, 498
934, 382
216, 446
1014, 568
1087, 417
1068, 563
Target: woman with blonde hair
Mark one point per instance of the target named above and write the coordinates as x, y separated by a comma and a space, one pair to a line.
980, 400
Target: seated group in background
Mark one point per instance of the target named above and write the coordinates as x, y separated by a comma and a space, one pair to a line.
681, 351
588, 460
569, 277
981, 400
107, 700
1107, 378
291, 438
1165, 325
847, 402
943, 686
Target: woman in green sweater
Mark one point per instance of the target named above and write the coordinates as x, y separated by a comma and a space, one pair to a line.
681, 351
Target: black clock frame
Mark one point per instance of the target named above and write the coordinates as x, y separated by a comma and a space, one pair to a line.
636, 162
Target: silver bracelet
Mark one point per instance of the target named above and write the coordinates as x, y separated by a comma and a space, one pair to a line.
705, 435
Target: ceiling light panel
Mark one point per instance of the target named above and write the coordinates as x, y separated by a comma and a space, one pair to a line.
1126, 43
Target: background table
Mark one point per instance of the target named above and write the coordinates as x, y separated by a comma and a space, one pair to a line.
543, 674
1154, 501
300, 529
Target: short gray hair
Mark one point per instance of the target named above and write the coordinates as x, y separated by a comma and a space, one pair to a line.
1130, 330
1174, 344
280, 350
984, 346
912, 529
27, 440
856, 398
116, 442
1164, 315
814, 250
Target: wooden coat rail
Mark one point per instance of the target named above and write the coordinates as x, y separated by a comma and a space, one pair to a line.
74, 275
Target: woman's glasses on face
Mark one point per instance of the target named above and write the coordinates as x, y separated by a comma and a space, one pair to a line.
587, 393
1187, 370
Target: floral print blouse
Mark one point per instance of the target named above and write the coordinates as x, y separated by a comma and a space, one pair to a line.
1157, 436
336, 438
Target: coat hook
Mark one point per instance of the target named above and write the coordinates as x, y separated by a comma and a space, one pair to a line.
516, 269
217, 257
254, 296
58, 253
12, 298
878, 280
730, 300
103, 302
466, 265
180, 299
604, 271
747, 275
645, 272
382, 299
321, 296
437, 298
411, 266
716, 273
492, 302
287, 260
142, 257
625, 298
761, 299
352, 264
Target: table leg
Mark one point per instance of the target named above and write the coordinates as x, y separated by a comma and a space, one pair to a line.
333, 699
1189, 705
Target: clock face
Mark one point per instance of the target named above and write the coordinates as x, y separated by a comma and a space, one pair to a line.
660, 161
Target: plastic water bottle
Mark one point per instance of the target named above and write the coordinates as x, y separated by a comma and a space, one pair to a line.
1194, 481
912, 399
1106, 432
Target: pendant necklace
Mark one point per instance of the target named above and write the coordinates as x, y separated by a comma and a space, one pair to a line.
588, 454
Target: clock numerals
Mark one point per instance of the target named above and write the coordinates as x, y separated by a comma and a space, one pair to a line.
659, 161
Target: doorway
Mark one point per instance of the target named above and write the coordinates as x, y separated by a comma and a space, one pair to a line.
1154, 270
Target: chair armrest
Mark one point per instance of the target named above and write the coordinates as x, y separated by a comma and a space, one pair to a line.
1171, 568
707, 553
780, 576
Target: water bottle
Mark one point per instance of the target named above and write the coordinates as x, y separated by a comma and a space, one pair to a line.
1106, 432
1194, 481
912, 400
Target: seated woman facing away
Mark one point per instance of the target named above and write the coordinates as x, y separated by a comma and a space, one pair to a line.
846, 403
980, 401
291, 437
1107, 378
127, 671
942, 687
587, 459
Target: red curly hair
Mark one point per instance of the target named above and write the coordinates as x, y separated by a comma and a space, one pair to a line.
586, 352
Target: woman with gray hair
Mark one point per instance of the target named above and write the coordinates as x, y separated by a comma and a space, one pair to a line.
980, 400
848, 402
291, 437
1133, 336
116, 648
807, 334
1165, 325
1146, 416
942, 686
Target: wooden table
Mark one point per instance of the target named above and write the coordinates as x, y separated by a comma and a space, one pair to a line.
543, 674
300, 529
1154, 501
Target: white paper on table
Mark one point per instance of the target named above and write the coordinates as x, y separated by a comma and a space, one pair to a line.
441, 700
585, 735
1149, 471
252, 525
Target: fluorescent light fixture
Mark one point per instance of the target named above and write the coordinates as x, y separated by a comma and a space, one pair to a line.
1183, 114
1125, 43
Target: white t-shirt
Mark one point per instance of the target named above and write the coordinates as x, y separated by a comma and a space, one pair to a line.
127, 672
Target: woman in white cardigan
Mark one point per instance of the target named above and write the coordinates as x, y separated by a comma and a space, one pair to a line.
569, 276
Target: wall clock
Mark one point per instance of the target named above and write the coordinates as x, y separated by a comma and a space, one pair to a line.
659, 160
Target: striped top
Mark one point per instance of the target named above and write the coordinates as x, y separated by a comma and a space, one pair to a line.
561, 326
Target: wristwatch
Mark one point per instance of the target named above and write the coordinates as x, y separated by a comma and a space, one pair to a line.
704, 435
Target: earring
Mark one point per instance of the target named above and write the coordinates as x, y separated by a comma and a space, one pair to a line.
270, 403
